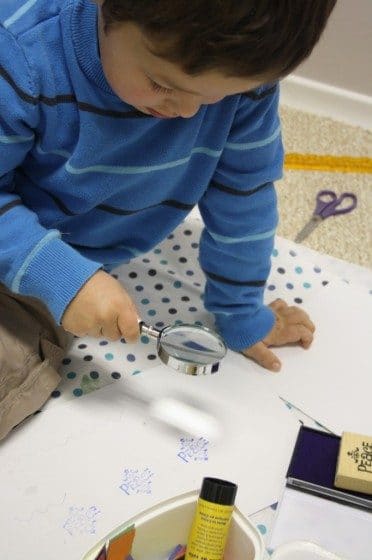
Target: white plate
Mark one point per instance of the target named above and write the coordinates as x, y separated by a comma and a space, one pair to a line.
302, 550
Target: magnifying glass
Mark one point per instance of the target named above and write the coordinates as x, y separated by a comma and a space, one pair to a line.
190, 349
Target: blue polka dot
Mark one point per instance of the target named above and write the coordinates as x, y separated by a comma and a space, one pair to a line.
178, 322
55, 394
109, 356
299, 270
165, 299
145, 339
189, 273
131, 358
163, 262
151, 312
289, 286
145, 301
77, 392
306, 285
317, 269
136, 372
71, 375
199, 323
116, 375
94, 374
262, 529
157, 251
271, 287
177, 284
275, 252
293, 253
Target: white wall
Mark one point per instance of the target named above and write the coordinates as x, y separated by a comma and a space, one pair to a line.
343, 57
336, 81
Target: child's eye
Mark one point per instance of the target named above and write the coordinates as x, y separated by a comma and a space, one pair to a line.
158, 88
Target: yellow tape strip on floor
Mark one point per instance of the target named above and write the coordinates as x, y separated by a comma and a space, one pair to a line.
335, 164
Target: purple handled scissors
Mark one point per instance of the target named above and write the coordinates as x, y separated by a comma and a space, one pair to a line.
327, 204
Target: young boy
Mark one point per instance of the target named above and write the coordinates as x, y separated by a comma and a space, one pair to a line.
117, 119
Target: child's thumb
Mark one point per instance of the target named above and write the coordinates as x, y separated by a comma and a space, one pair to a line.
261, 354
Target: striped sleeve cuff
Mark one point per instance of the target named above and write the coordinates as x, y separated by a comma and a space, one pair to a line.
241, 331
55, 274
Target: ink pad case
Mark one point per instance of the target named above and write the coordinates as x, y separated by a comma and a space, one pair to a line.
313, 468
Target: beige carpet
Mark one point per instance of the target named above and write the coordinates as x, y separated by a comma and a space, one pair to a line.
347, 237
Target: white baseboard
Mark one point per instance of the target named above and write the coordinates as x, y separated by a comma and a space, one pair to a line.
329, 101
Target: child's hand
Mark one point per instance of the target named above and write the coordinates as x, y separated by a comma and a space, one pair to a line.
102, 308
292, 325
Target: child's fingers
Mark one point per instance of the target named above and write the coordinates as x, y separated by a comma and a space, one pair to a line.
297, 333
296, 316
263, 356
128, 325
278, 305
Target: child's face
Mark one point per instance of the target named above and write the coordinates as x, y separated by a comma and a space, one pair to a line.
155, 86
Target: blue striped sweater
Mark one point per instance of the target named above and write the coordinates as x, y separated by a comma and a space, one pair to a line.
87, 181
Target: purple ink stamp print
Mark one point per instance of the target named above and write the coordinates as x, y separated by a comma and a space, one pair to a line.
193, 449
81, 520
136, 481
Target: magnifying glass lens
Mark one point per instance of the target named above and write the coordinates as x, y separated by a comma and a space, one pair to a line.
193, 344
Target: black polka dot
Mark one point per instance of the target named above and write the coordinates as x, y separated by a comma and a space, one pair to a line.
197, 284
116, 375
151, 357
94, 374
187, 232
194, 245
281, 270
165, 299
88, 358
190, 272
133, 275
152, 272
139, 288
185, 298
158, 287
298, 300
66, 361
171, 236
123, 341
82, 346
182, 260
103, 343
176, 247
55, 394
146, 260
171, 272
159, 324
192, 309
172, 310
325, 282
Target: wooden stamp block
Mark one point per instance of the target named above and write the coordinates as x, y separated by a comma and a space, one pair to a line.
354, 465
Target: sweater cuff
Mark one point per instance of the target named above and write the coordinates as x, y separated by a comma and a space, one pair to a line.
242, 331
55, 275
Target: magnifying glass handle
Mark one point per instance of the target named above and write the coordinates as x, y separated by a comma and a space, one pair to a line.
149, 331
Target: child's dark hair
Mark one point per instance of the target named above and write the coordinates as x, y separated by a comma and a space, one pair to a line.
241, 38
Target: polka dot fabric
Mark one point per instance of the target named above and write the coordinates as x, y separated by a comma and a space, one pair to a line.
167, 286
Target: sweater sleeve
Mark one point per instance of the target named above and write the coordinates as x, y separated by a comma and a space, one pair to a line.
239, 211
34, 261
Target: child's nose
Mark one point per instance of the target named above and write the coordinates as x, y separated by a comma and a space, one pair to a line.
187, 108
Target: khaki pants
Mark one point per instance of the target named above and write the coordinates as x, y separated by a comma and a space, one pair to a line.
31, 348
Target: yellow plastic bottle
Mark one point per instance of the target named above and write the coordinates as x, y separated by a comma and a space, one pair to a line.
210, 527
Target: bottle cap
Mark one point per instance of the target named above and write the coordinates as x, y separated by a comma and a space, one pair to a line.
218, 491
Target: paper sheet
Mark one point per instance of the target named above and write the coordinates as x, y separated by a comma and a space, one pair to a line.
332, 381
75, 472
343, 530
